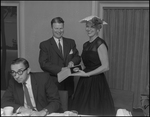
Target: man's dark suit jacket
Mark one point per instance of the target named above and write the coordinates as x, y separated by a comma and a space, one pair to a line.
51, 60
45, 93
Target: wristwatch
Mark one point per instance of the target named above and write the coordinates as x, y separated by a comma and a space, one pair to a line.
46, 110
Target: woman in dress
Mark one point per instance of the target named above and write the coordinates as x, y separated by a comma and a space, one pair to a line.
92, 95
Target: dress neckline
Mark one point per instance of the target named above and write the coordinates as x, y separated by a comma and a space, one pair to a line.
92, 40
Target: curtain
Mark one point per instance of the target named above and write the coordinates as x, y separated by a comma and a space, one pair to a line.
127, 36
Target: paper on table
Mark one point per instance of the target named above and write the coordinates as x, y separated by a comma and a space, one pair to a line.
66, 113
62, 75
57, 114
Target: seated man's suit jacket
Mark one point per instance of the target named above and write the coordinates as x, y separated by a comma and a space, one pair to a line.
45, 93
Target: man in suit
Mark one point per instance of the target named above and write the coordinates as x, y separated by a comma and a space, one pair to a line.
53, 58
43, 92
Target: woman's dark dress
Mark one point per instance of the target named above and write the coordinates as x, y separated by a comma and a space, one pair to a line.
92, 95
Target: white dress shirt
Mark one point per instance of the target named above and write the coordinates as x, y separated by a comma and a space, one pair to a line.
61, 42
29, 86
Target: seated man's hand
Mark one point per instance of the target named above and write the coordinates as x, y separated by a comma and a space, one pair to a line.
25, 111
38, 113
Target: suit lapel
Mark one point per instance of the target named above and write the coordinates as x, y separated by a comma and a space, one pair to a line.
54, 45
66, 50
20, 93
34, 86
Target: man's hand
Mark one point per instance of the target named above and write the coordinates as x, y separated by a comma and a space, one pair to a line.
64, 68
70, 64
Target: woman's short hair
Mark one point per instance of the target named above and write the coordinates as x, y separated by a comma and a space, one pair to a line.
96, 22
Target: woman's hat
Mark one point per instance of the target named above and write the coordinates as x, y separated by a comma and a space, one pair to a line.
90, 18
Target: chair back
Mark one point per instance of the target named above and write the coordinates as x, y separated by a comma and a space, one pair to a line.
122, 99
64, 99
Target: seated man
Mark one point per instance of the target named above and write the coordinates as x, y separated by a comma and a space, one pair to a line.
43, 97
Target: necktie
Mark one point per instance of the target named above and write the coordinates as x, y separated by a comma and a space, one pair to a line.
60, 47
27, 96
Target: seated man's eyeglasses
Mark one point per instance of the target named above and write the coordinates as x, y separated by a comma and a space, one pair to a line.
19, 72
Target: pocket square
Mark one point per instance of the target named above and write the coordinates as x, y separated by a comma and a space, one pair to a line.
71, 52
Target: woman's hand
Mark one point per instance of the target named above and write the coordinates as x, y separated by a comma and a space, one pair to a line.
80, 73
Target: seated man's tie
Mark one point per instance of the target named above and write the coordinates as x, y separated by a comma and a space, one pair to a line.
26, 92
